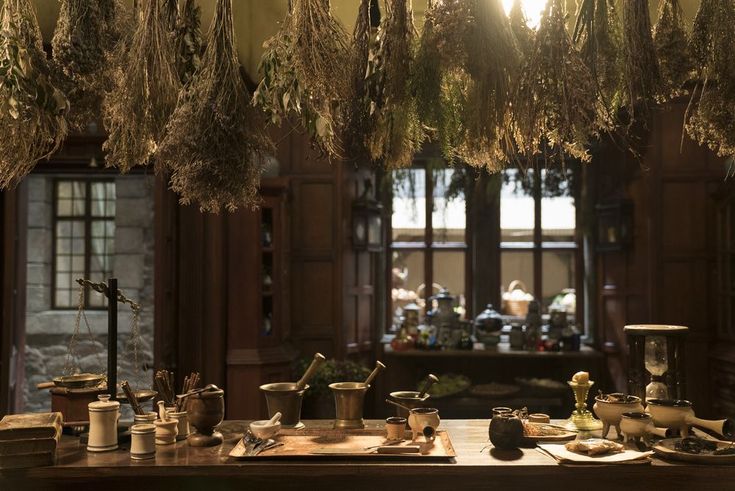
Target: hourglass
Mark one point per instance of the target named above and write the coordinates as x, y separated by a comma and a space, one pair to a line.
656, 361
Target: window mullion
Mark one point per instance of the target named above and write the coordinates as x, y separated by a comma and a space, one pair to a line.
429, 235
537, 253
87, 238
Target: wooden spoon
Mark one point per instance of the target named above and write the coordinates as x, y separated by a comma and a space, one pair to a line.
379, 367
431, 380
315, 363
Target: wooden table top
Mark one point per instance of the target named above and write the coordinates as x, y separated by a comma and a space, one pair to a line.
212, 468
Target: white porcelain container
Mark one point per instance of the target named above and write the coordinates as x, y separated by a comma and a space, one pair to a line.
183, 423
103, 417
143, 441
611, 412
166, 431
147, 418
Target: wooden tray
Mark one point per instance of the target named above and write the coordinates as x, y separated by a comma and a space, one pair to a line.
302, 443
666, 449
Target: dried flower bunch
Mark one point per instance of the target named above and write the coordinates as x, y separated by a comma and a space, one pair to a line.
711, 115
479, 59
672, 48
395, 132
188, 41
146, 87
641, 77
557, 110
215, 146
597, 34
306, 73
32, 110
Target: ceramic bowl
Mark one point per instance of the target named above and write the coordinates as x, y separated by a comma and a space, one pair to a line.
264, 429
166, 431
611, 412
679, 414
635, 425
422, 418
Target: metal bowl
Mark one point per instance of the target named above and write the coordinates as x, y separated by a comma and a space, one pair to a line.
79, 381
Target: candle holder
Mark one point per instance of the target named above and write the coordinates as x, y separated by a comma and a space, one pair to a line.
581, 418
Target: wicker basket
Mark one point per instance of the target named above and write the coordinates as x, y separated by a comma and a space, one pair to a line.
514, 306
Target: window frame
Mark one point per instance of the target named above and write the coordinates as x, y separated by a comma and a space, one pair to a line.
428, 247
88, 219
538, 247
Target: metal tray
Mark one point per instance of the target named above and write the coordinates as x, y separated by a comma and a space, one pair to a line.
665, 449
351, 444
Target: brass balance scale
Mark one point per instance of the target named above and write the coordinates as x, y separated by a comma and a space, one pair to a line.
73, 391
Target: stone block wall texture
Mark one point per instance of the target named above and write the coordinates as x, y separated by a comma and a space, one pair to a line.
49, 331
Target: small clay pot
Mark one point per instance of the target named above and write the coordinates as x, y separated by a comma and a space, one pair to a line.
206, 411
506, 430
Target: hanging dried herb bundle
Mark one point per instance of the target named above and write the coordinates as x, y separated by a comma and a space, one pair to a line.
672, 48
519, 26
188, 41
557, 110
144, 95
306, 72
641, 76
395, 132
32, 110
171, 15
710, 118
357, 108
215, 145
436, 85
480, 56
598, 37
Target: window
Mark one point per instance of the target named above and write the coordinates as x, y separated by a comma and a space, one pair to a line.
538, 237
428, 236
83, 238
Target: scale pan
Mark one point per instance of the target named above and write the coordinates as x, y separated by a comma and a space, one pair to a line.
141, 395
79, 381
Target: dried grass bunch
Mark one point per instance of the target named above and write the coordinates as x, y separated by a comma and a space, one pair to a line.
395, 132
711, 116
673, 49
523, 34
144, 94
32, 110
641, 76
597, 34
557, 109
215, 146
479, 59
188, 40
306, 73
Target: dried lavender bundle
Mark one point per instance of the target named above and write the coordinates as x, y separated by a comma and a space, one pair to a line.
672, 48
144, 95
306, 72
557, 109
395, 132
641, 76
479, 53
32, 110
710, 118
215, 145
188, 41
597, 34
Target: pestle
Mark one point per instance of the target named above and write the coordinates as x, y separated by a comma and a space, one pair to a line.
430, 380
275, 419
198, 391
378, 368
162, 411
316, 362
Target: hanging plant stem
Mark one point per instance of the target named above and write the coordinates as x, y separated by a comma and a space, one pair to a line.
215, 146
395, 133
146, 87
523, 34
557, 110
306, 73
710, 118
188, 41
32, 110
641, 76
673, 49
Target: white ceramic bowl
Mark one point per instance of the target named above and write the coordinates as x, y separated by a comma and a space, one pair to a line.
264, 429
610, 412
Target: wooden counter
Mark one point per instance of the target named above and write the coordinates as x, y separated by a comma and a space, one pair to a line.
184, 468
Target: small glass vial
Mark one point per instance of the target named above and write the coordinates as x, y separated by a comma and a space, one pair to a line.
143, 441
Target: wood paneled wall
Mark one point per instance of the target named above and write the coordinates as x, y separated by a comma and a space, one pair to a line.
668, 275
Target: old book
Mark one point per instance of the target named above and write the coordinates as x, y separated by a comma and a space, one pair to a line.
27, 460
31, 425
29, 446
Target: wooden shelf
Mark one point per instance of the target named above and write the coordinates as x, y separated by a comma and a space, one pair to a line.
502, 350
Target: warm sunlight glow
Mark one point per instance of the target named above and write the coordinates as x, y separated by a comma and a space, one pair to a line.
532, 8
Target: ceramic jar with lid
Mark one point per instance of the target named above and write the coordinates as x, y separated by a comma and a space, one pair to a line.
103, 417
143, 441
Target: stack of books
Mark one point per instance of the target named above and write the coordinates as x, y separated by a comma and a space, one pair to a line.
29, 440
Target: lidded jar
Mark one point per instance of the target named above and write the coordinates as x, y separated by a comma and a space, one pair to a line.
489, 320
103, 417
506, 429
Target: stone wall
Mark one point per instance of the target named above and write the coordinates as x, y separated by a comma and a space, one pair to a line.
48, 331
